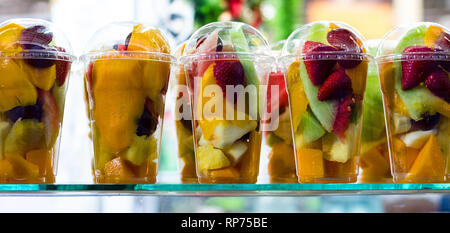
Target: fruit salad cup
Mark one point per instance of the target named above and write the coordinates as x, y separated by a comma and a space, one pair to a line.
218, 58
374, 155
127, 67
278, 137
35, 63
326, 68
413, 62
183, 125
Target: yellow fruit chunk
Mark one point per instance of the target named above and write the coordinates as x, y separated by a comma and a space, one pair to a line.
6, 169
117, 170
155, 77
23, 168
429, 165
310, 163
44, 78
282, 160
404, 156
15, 88
375, 166
42, 158
150, 40
229, 172
298, 100
118, 101
250, 160
432, 34
210, 158
358, 77
10, 37
399, 107
332, 26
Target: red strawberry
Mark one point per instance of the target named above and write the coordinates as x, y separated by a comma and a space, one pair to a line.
62, 68
228, 73
51, 116
205, 46
343, 114
415, 71
318, 69
277, 79
337, 85
439, 83
88, 78
345, 40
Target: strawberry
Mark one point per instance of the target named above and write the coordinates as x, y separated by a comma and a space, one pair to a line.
318, 69
277, 79
415, 71
439, 84
205, 45
343, 115
337, 85
51, 116
345, 40
228, 73
62, 68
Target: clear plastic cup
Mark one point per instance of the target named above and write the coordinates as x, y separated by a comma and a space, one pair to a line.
281, 157
127, 67
183, 124
227, 132
374, 155
35, 61
413, 64
326, 69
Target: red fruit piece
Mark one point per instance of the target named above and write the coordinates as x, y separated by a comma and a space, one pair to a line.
439, 84
442, 44
277, 79
228, 73
317, 67
343, 115
204, 46
62, 68
337, 85
50, 117
415, 71
345, 40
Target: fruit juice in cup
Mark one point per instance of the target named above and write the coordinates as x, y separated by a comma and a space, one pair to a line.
183, 124
413, 62
35, 61
281, 164
227, 131
326, 67
127, 67
374, 155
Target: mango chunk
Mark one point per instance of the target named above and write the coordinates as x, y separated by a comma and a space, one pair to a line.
282, 161
10, 37
117, 170
118, 101
432, 34
209, 158
310, 163
22, 168
298, 100
358, 76
429, 165
150, 40
6, 169
375, 166
404, 156
43, 78
43, 159
228, 172
155, 78
15, 88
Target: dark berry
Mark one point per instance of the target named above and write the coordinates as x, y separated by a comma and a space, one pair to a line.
25, 112
36, 37
219, 45
146, 124
127, 40
428, 122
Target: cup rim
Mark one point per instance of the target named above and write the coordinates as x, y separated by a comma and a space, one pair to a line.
334, 55
39, 54
416, 56
138, 55
217, 56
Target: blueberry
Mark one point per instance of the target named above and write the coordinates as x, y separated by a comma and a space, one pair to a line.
146, 124
427, 123
25, 112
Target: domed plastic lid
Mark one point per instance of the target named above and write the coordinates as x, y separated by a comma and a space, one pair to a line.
226, 38
32, 39
423, 40
326, 40
131, 39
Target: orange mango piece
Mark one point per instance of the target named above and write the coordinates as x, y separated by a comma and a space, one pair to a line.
6, 169
42, 158
429, 165
404, 156
117, 170
282, 161
310, 163
375, 166
23, 168
229, 172
358, 76
432, 34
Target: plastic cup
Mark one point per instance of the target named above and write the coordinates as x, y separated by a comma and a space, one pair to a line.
413, 64
35, 61
183, 124
127, 67
227, 132
326, 68
374, 155
281, 157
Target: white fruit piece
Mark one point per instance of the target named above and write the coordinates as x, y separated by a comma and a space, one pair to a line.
236, 150
226, 133
401, 123
417, 139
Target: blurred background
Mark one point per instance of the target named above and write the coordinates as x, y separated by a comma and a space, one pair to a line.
276, 19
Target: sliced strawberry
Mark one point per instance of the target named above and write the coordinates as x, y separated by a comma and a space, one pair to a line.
337, 85
343, 115
318, 68
229, 73
89, 78
51, 116
277, 79
345, 40
415, 71
439, 84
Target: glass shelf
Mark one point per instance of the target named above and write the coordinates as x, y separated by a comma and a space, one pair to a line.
222, 189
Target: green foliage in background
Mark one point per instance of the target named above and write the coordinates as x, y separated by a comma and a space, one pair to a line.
207, 11
290, 14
